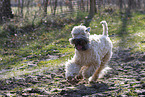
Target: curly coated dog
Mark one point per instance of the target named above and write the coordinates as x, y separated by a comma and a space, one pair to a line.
92, 52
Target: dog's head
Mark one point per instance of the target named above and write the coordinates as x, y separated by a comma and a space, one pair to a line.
80, 37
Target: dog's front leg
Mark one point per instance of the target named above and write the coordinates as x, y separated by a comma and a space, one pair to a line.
72, 69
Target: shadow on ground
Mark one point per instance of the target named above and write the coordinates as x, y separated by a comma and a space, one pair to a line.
123, 33
84, 89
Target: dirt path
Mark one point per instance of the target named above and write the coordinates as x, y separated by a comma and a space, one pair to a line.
127, 78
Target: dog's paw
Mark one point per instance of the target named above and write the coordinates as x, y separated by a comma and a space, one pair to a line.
72, 80
92, 80
79, 77
69, 78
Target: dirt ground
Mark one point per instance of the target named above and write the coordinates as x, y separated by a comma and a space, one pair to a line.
126, 78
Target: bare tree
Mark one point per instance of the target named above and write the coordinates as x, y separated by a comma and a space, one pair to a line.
92, 8
138, 4
120, 4
131, 4
144, 3
87, 5
19, 6
70, 6
92, 12
55, 6
99, 3
51, 6
45, 7
28, 5
5, 10
82, 5
22, 5
61, 4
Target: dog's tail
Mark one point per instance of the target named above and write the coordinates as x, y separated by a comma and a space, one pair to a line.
105, 28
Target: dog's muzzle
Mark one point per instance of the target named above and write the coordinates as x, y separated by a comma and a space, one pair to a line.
80, 43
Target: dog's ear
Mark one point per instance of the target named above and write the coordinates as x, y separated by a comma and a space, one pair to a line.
88, 29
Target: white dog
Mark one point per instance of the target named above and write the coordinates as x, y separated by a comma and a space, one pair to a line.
92, 52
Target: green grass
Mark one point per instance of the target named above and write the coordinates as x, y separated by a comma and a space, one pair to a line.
18, 48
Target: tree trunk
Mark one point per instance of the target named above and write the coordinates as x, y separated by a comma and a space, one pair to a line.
45, 7
78, 4
92, 8
5, 10
19, 6
87, 5
144, 4
91, 13
131, 4
82, 6
103, 2
51, 7
99, 6
120, 4
61, 5
139, 4
28, 5
22, 1
55, 6
70, 6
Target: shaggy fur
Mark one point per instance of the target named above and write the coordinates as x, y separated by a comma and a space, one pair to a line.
92, 52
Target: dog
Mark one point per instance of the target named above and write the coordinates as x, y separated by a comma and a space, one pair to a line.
92, 52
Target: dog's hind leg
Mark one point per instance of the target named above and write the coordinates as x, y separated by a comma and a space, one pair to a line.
95, 76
